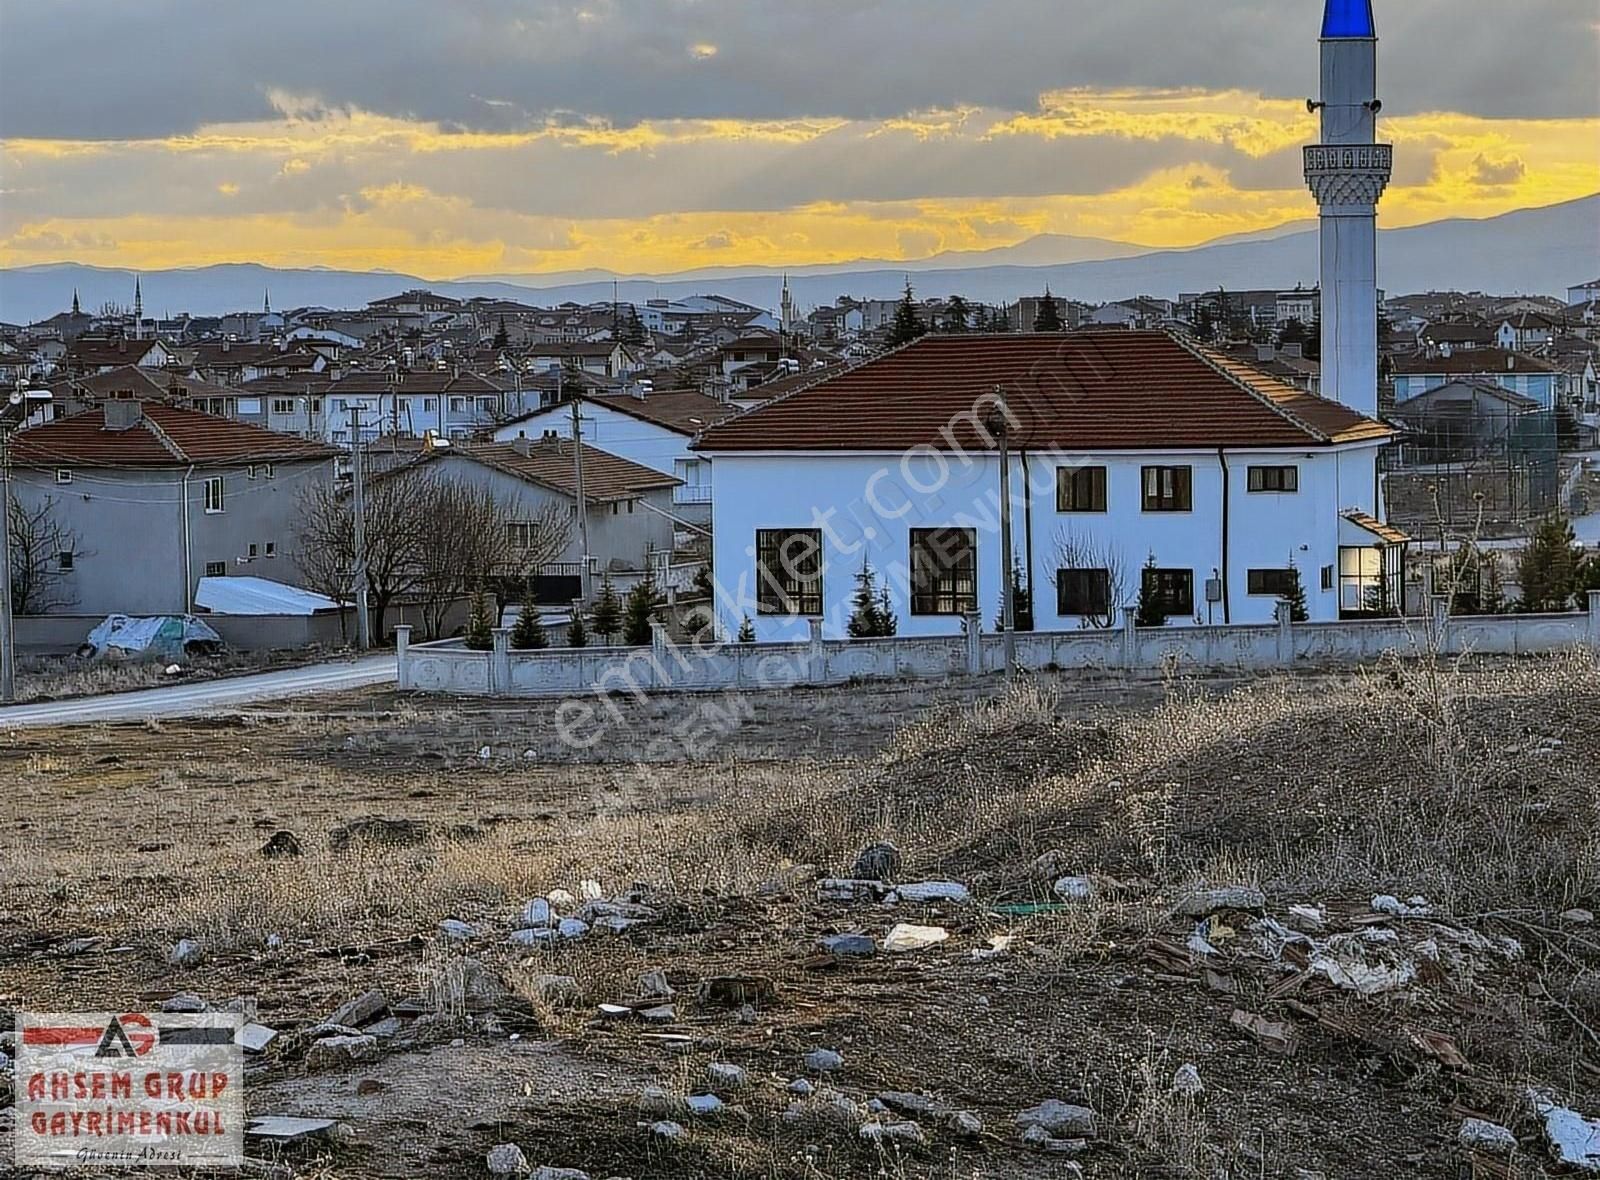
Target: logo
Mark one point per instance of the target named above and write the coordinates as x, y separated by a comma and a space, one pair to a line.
127, 1090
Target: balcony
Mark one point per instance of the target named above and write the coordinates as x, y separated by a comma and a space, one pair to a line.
691, 494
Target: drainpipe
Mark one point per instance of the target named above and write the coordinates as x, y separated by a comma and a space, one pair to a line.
1027, 534
188, 565
1222, 458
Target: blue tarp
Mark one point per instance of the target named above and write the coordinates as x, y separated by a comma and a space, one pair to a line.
169, 637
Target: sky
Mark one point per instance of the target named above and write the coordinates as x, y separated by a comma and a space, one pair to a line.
506, 137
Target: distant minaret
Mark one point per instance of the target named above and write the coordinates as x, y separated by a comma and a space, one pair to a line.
76, 310
1347, 173
786, 305
266, 301
138, 310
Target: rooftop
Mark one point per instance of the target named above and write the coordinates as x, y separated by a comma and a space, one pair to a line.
158, 436
550, 461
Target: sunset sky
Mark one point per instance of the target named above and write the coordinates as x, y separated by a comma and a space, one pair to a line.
647, 136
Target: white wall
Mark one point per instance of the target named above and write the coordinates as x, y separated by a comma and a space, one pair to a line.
612, 431
865, 506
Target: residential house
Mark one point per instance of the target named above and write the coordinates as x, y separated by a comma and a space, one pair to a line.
87, 355
1584, 292
1137, 458
1519, 372
447, 403
1527, 331
233, 362
604, 358
154, 497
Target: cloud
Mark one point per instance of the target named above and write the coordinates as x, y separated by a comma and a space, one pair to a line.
1495, 172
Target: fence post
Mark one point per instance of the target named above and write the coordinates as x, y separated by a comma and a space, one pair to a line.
1130, 638
402, 644
500, 661
816, 658
972, 629
1285, 616
1594, 620
1439, 623
660, 674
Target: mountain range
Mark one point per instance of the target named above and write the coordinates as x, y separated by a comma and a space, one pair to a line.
1531, 251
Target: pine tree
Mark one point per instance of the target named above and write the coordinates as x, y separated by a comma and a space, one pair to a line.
1548, 567
502, 338
1049, 317
888, 621
1295, 596
1000, 320
607, 617
697, 627
528, 634
747, 631
577, 634
480, 628
1150, 609
637, 613
955, 316
865, 620
908, 323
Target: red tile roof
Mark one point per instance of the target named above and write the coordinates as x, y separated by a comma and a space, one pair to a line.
164, 436
1117, 390
549, 461
1471, 360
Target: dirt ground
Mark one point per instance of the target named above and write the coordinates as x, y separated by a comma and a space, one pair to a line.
1473, 787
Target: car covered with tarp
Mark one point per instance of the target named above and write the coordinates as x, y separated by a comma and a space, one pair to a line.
164, 637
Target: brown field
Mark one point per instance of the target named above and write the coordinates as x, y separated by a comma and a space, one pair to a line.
1473, 786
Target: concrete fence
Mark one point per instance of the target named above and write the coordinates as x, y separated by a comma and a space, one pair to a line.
449, 667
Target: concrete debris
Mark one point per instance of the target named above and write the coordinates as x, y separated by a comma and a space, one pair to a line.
999, 947
877, 862
507, 1159
849, 889
1041, 1140
845, 946
908, 1133
590, 890
926, 891
908, 1105
725, 1076
363, 1009
183, 1002
1482, 1135
903, 936
1198, 945
549, 1173
667, 1129
1074, 888
186, 952
338, 1052
1577, 917
1352, 972
1186, 1081
1058, 1118
703, 1105
254, 1038
1416, 907
537, 914
961, 1123
1197, 903
560, 899
454, 928
802, 1087
1273, 1035
824, 1061
1573, 1140
277, 1128
654, 1100
660, 1014
572, 928
1308, 919
542, 937
653, 984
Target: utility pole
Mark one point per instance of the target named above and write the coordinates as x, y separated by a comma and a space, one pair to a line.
1008, 591
8, 644
583, 508
359, 573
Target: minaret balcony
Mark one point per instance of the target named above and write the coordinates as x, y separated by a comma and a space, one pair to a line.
1348, 174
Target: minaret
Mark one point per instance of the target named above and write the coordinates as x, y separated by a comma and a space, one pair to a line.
786, 308
1347, 173
266, 301
76, 310
138, 310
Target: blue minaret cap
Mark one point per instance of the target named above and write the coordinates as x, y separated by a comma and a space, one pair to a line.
1348, 18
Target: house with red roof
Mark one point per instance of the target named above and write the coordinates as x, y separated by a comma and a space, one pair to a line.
1137, 460
144, 499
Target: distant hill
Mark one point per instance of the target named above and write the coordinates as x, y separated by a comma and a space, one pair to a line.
1532, 251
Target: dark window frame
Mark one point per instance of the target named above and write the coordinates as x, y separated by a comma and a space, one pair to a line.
1173, 489
1262, 477
216, 569
789, 578
948, 586
1081, 489
1261, 581
1177, 599
1092, 592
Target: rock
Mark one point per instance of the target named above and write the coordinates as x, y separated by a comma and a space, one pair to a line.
912, 1106
734, 991
801, 1087
506, 1159
654, 1100
1417, 907
1198, 903
1482, 1135
277, 1128
1074, 888
877, 862
847, 946
1577, 917
561, 899
660, 1014
667, 1129
1055, 1117
1186, 1081
392, 833
572, 928
540, 937
389, 1026
893, 1133
549, 1173
703, 1105
1573, 1140
280, 844
186, 952
254, 1038
184, 1002
903, 936
482, 987
725, 1077
824, 1061
560, 991
1050, 865
337, 1052
653, 984
364, 1009
961, 1123
452, 928
1308, 919
614, 1011
590, 890
925, 891
537, 914
1041, 1140
849, 889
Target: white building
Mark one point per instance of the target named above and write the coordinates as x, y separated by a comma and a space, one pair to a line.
1130, 448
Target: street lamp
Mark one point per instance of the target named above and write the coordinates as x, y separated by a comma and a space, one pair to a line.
23, 402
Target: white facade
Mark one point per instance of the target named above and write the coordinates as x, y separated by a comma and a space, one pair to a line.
865, 505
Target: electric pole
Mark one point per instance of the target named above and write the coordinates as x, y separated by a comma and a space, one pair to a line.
583, 508
359, 573
1008, 591
8, 646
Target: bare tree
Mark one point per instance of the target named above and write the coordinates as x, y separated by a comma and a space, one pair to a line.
1075, 551
326, 538
43, 551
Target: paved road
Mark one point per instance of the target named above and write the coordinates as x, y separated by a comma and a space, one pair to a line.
203, 697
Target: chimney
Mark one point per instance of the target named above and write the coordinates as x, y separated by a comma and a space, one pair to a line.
522, 445
1511, 362
1265, 352
226, 344
123, 414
